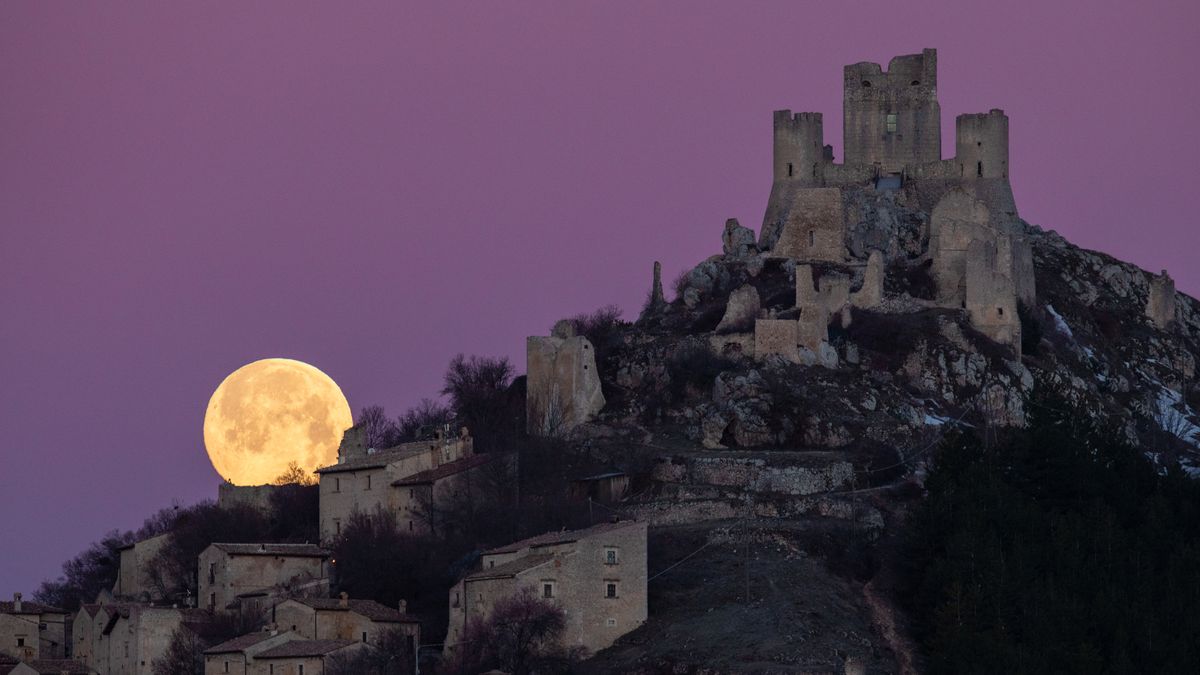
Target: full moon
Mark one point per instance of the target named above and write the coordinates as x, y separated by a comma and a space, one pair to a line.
270, 413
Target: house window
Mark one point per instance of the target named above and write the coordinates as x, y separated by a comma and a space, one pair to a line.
272, 669
979, 169
491, 564
368, 481
789, 169
891, 123
812, 237
547, 589
410, 526
337, 487
126, 650
1000, 311
610, 556
300, 669
227, 666
364, 637
212, 600
456, 603
20, 642
610, 622
610, 589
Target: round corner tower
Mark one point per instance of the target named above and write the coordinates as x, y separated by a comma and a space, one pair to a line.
981, 141
799, 145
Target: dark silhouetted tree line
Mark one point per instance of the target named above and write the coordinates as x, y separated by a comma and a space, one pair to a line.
1060, 549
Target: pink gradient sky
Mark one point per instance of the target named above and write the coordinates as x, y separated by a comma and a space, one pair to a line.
372, 188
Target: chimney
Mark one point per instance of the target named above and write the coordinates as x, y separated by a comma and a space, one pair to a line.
16, 603
404, 607
343, 599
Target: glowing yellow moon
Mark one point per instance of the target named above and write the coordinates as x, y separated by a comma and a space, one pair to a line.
270, 413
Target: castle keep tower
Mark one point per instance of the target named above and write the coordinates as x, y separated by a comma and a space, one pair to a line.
892, 118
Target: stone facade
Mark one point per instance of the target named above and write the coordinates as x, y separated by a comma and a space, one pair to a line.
597, 575
30, 630
1160, 306
134, 580
815, 227
273, 653
562, 383
127, 638
230, 573
236, 656
344, 618
411, 480
892, 118
777, 337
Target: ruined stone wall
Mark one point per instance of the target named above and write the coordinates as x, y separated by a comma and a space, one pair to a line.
223, 577
563, 385
777, 337
892, 118
814, 227
133, 580
991, 299
1160, 306
957, 220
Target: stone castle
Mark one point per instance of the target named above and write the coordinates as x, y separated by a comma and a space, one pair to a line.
979, 258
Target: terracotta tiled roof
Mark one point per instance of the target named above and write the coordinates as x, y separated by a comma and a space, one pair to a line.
368, 608
564, 537
240, 642
512, 567
299, 648
58, 666
296, 550
30, 608
445, 471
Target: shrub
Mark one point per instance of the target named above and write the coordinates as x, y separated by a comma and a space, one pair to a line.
695, 366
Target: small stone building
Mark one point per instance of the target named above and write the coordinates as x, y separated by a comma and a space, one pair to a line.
344, 618
597, 575
231, 572
607, 488
301, 657
236, 656
126, 638
134, 582
410, 480
31, 630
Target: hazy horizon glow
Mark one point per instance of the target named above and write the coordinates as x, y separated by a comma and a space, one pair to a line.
374, 187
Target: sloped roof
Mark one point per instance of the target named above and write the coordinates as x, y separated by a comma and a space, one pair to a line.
512, 567
564, 537
58, 666
295, 550
301, 648
368, 608
240, 642
91, 609
30, 608
445, 471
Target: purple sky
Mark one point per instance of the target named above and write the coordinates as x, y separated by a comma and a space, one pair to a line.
374, 188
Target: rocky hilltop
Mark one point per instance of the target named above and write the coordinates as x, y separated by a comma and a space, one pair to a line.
781, 407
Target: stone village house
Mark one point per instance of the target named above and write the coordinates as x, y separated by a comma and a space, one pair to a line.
273, 653
412, 480
127, 638
249, 576
30, 630
344, 618
597, 575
